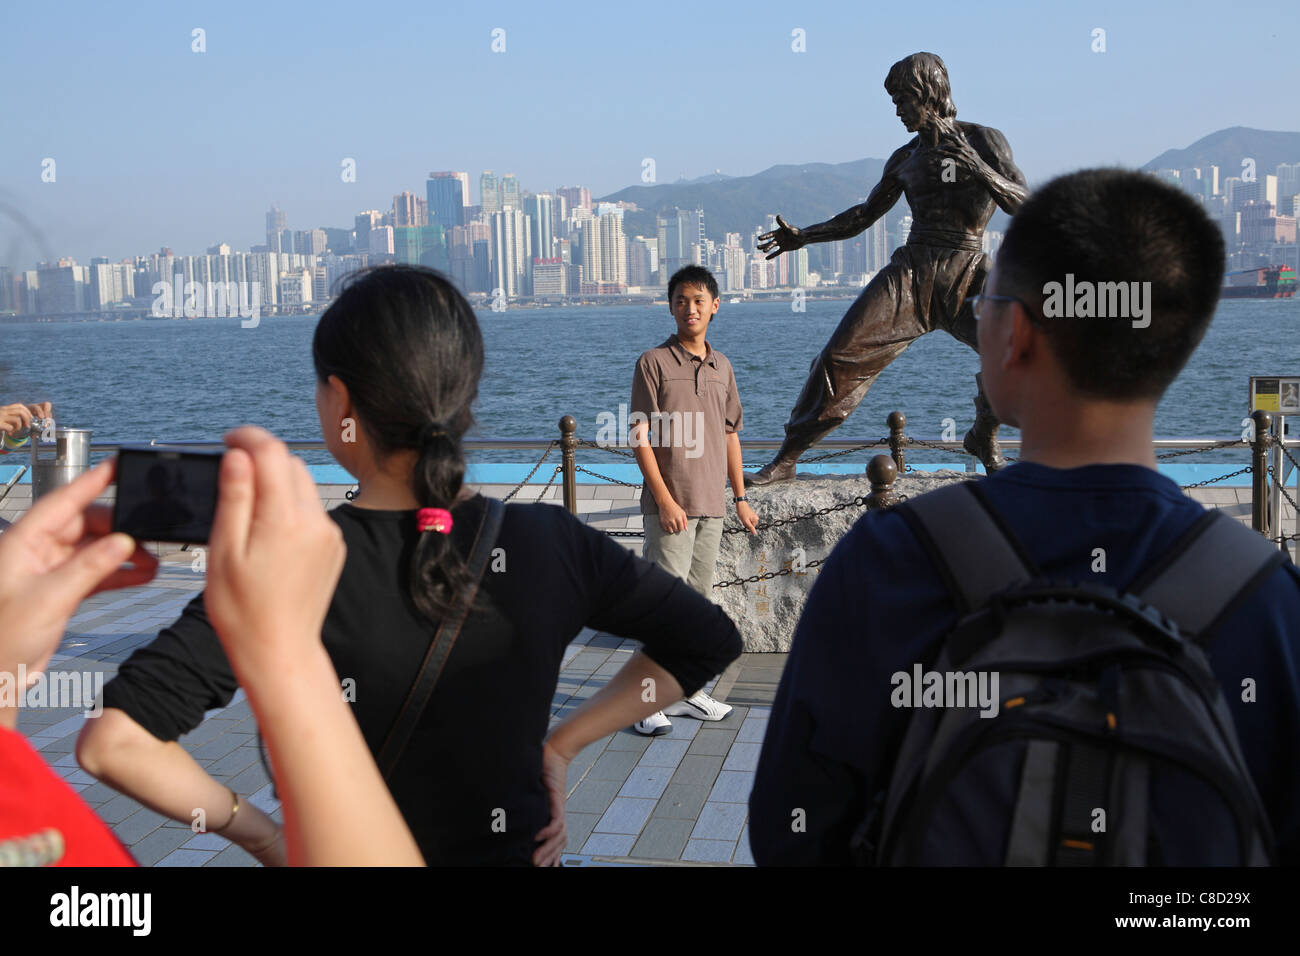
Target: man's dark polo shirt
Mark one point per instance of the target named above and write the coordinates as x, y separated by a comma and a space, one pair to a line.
691, 400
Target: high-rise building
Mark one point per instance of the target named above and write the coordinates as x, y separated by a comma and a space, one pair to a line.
539, 210
381, 241
877, 246
1288, 186
575, 196
509, 246
613, 249
489, 191
275, 226
682, 240
446, 199
511, 195
364, 223
62, 290
409, 210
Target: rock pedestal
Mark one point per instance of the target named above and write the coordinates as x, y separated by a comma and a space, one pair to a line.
766, 612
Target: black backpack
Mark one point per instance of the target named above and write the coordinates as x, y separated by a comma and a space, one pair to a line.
1111, 742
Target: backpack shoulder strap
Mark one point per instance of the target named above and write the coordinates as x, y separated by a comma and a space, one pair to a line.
1214, 565
443, 639
967, 541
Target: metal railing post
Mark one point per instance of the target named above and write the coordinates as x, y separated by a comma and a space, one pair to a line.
881, 472
568, 446
1259, 472
897, 421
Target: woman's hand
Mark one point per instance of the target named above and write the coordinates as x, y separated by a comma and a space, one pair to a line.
53, 558
553, 837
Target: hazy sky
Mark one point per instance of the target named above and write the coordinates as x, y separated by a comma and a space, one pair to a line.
157, 145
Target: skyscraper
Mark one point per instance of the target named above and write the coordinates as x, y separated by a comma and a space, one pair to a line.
575, 196
275, 226
539, 209
510, 192
446, 199
409, 210
489, 194
364, 223
509, 247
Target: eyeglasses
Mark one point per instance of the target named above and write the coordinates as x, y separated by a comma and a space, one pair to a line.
976, 302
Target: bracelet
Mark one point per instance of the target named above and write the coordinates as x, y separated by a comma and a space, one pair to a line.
233, 810
741, 498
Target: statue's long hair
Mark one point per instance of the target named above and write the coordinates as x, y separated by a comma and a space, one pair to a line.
925, 76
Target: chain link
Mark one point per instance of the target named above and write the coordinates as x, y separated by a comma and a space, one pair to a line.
1277, 482
613, 481
1211, 481
880, 443
545, 454
613, 451
767, 576
1197, 451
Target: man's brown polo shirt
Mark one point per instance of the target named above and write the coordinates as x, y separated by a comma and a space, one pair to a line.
691, 405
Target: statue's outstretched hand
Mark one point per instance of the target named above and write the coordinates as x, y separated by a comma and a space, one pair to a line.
784, 238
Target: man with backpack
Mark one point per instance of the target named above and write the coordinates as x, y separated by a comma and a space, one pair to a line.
1068, 662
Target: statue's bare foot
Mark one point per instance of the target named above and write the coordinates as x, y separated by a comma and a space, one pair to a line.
779, 469
983, 444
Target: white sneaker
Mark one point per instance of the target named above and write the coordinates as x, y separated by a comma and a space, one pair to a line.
700, 706
656, 725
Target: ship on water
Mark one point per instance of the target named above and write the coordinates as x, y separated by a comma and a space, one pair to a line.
1269, 282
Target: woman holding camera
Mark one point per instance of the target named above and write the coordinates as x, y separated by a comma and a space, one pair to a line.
398, 358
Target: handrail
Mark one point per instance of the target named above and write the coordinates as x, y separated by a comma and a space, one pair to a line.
524, 444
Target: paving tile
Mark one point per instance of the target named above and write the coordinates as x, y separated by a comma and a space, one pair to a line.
614, 765
709, 851
206, 841
752, 731
713, 742
720, 821
578, 827
664, 752
137, 826
698, 769
626, 815
609, 844
646, 782
593, 796
681, 801
743, 757
233, 856
732, 787
117, 809
186, 858
158, 844
662, 839
629, 740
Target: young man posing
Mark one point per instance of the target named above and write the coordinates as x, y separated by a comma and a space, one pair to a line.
1083, 392
684, 395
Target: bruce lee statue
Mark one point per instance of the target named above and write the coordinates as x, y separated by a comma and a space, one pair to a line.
953, 175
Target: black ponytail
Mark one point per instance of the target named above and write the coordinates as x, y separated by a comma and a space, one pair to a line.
408, 347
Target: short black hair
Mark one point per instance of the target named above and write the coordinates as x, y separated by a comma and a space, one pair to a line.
1117, 225
692, 275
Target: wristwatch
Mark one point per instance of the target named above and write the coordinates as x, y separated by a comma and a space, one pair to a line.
741, 498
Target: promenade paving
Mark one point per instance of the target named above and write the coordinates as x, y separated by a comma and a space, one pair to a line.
679, 799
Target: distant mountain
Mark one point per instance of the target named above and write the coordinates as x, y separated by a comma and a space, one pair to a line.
805, 194
1228, 147
716, 176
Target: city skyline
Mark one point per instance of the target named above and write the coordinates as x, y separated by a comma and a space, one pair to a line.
154, 143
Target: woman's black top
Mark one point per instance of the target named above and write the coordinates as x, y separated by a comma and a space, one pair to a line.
469, 783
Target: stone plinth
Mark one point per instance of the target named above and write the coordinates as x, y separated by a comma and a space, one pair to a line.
766, 612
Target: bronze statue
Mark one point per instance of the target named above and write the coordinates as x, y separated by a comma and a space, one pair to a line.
952, 174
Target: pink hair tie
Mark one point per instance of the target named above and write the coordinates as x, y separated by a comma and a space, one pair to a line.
434, 519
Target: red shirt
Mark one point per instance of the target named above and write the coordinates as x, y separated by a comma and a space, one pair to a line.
42, 820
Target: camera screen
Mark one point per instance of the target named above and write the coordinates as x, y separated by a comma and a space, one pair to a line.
166, 495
